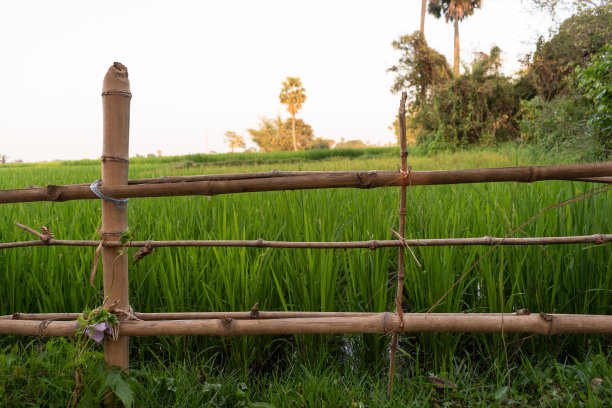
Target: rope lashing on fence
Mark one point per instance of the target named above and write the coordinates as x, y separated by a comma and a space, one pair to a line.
119, 203
103, 242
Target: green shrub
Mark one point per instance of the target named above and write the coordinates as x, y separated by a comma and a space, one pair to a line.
477, 108
595, 82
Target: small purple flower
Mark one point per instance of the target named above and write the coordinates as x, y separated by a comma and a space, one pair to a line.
97, 331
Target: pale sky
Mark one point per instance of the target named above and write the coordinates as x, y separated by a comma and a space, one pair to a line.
201, 68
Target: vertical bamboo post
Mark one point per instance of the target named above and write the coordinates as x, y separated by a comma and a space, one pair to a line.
402, 220
116, 98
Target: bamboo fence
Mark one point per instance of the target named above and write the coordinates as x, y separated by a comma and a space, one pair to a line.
116, 113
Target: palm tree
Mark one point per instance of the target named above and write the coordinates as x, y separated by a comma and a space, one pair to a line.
293, 96
455, 10
423, 7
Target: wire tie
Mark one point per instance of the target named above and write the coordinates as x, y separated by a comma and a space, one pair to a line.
118, 203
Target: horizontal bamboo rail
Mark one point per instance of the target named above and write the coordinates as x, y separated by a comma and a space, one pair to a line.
381, 323
192, 315
371, 244
318, 180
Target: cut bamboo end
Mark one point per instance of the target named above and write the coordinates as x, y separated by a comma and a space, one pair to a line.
380, 323
116, 81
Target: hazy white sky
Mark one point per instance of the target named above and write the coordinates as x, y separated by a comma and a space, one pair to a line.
201, 68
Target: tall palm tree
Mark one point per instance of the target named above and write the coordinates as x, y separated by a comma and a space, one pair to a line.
423, 8
293, 96
455, 10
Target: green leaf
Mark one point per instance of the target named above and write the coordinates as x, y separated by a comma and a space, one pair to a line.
501, 394
124, 392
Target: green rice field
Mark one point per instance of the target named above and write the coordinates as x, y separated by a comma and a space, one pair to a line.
560, 279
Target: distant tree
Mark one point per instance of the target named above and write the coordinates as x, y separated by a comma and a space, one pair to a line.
293, 96
3, 158
578, 38
423, 8
455, 10
276, 134
554, 6
234, 140
419, 68
351, 144
320, 143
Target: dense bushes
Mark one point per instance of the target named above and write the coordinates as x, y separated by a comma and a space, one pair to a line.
562, 99
478, 107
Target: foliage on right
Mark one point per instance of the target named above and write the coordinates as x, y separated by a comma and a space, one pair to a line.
560, 101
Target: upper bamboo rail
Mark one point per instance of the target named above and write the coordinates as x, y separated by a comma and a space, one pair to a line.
310, 180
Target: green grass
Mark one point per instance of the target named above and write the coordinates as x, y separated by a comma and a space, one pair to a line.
39, 374
562, 279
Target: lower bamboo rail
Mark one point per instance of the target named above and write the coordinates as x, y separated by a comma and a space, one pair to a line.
371, 244
379, 323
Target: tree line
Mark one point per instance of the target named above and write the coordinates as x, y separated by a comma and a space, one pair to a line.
561, 99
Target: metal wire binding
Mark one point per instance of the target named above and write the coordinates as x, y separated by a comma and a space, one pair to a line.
118, 203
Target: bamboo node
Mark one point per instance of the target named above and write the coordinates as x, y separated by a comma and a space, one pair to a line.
16, 316
107, 158
366, 178
385, 323
488, 239
260, 242
226, 320
142, 252
599, 239
373, 244
47, 235
548, 319
117, 92
531, 177
254, 311
54, 192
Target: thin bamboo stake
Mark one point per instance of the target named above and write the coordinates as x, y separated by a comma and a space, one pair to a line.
597, 239
399, 309
380, 323
357, 179
116, 98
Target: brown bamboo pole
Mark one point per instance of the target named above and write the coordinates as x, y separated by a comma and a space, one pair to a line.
116, 98
380, 323
277, 173
193, 315
357, 179
597, 239
399, 309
